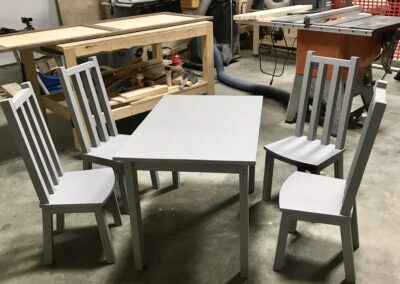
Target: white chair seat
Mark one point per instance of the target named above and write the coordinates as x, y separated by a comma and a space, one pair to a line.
108, 149
302, 151
83, 188
313, 194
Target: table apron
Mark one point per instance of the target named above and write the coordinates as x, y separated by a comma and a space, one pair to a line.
189, 167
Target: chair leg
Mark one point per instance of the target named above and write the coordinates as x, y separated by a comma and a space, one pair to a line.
47, 219
292, 226
338, 165
122, 187
252, 178
176, 179
281, 245
155, 179
113, 203
354, 228
87, 165
268, 172
60, 223
347, 245
105, 235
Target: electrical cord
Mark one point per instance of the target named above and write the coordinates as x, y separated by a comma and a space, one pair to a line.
289, 52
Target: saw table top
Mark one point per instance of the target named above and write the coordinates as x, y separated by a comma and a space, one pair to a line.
349, 20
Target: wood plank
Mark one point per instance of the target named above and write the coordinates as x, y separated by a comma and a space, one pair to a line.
148, 103
140, 94
101, 45
272, 13
73, 12
315, 17
145, 22
11, 89
49, 37
56, 107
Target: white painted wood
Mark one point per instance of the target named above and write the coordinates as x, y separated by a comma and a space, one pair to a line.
58, 192
197, 134
310, 152
91, 99
303, 151
327, 200
221, 129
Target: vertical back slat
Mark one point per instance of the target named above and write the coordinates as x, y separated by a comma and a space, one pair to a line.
85, 109
304, 95
94, 104
103, 98
317, 101
37, 130
346, 105
24, 147
34, 144
74, 109
331, 104
364, 147
49, 142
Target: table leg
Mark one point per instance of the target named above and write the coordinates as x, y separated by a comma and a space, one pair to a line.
256, 40
157, 51
29, 69
208, 59
244, 221
132, 190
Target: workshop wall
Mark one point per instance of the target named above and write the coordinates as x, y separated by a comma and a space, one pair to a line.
43, 12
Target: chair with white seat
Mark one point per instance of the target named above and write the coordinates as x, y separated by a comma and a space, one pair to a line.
59, 192
308, 152
328, 200
90, 99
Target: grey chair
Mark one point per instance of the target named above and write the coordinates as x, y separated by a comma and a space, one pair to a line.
308, 152
321, 199
90, 99
58, 192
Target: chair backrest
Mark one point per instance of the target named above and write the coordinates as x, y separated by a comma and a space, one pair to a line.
364, 147
34, 141
86, 97
338, 66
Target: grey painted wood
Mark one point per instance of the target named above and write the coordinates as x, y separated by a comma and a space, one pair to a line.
364, 148
311, 152
317, 102
346, 103
105, 234
135, 215
328, 200
199, 133
58, 192
330, 109
244, 221
222, 129
90, 101
304, 94
176, 179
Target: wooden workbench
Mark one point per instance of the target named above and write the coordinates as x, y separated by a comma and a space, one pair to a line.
113, 35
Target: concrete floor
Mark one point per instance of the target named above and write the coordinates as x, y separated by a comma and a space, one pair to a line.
192, 234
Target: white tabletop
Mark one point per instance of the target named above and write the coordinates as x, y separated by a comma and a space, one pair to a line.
193, 129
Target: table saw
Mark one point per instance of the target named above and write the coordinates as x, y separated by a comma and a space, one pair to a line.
339, 33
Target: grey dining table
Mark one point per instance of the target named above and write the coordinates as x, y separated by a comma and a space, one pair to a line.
217, 134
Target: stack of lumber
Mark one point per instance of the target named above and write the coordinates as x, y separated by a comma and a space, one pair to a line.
152, 70
267, 15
